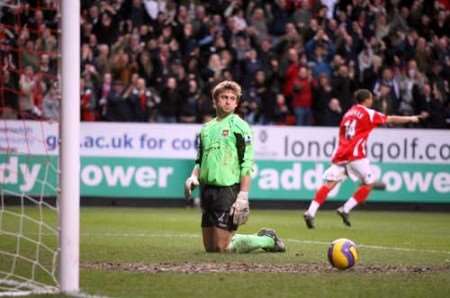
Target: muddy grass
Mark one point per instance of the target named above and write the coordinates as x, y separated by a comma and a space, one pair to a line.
251, 267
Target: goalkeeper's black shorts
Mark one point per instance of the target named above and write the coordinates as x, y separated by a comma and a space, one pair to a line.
216, 202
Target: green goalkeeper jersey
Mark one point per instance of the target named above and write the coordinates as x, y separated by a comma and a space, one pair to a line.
225, 151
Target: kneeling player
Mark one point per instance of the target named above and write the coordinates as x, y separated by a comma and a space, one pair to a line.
223, 168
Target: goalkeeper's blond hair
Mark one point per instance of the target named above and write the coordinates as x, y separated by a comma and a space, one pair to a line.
227, 85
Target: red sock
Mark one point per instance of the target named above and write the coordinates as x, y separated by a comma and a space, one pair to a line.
321, 194
362, 193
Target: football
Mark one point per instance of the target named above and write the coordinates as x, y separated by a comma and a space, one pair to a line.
343, 254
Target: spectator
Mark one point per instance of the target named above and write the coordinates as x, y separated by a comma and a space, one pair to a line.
188, 41
88, 100
424, 28
343, 86
170, 100
441, 24
291, 37
51, 103
228, 63
281, 110
371, 74
47, 69
384, 101
302, 97
145, 66
382, 27
400, 20
102, 61
291, 70
104, 30
278, 16
423, 55
137, 13
422, 100
30, 99
139, 99
320, 58
123, 67
267, 98
438, 109
87, 55
408, 85
258, 25
29, 56
47, 43
303, 13
190, 102
251, 65
333, 113
387, 78
355, 43
105, 90
117, 108
154, 8
9, 104
214, 69
322, 93
154, 99
205, 110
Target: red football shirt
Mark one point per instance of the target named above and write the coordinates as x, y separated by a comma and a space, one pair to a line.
354, 130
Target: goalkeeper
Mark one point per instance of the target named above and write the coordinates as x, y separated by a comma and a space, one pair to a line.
222, 169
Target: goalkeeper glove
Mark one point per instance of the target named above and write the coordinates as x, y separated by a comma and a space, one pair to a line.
191, 183
240, 210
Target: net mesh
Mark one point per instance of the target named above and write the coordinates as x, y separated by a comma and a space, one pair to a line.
28, 211
29, 111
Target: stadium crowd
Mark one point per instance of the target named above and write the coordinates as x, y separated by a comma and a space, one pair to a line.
299, 61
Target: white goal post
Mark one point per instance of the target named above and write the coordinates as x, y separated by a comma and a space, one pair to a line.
69, 213
40, 161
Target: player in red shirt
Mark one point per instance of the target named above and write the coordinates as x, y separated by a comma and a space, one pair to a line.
350, 156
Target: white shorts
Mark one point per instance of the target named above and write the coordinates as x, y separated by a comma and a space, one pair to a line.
357, 169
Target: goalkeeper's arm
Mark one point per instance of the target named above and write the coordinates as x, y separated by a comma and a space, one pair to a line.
241, 209
191, 182
245, 183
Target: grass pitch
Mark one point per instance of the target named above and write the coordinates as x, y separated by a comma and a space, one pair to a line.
152, 252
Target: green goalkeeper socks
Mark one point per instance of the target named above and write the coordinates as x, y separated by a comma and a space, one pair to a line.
247, 243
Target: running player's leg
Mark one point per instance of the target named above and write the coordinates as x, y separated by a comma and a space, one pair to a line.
333, 175
360, 168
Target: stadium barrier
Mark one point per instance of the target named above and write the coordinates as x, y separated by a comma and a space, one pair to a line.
149, 161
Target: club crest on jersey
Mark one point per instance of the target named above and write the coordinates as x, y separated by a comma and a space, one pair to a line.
248, 139
225, 132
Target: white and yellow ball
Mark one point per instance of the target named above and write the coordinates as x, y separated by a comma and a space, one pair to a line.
343, 254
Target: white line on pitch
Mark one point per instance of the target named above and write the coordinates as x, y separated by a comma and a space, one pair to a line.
139, 235
145, 235
375, 247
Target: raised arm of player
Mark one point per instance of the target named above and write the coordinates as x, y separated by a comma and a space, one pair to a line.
394, 119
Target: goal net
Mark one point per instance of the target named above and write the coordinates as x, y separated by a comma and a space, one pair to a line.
31, 195
28, 213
